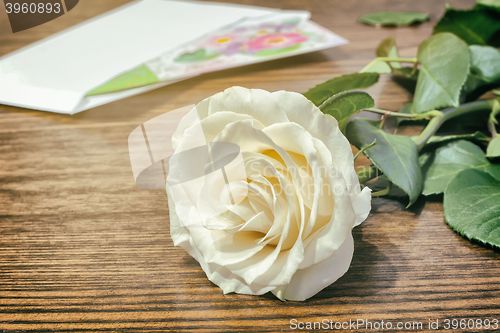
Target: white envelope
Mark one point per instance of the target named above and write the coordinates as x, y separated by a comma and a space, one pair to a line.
57, 73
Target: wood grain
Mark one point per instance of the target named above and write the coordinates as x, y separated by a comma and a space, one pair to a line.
81, 249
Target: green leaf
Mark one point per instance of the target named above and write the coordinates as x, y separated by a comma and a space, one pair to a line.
493, 149
474, 26
404, 76
395, 155
444, 65
323, 91
472, 206
388, 48
377, 65
484, 71
343, 105
440, 139
394, 18
442, 165
490, 4
485, 63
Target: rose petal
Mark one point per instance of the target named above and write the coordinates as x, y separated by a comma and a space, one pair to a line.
308, 282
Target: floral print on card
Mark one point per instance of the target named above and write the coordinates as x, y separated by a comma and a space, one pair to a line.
257, 39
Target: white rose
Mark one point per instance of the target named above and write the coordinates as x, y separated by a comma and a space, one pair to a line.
263, 193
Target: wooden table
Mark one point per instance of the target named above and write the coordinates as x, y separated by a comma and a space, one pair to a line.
82, 249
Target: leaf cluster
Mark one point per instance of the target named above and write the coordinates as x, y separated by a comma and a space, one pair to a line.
452, 78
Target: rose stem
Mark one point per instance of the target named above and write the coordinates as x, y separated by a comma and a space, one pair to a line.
396, 59
492, 122
440, 118
415, 116
364, 148
382, 192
